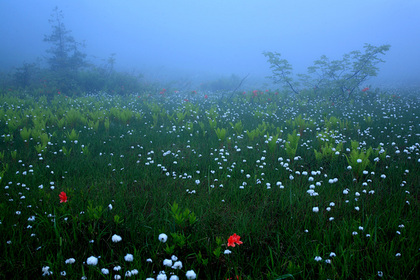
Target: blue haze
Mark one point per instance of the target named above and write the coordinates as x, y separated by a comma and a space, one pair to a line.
205, 38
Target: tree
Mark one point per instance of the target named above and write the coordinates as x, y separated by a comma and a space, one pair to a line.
345, 75
66, 56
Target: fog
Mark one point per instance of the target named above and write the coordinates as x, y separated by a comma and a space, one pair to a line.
166, 39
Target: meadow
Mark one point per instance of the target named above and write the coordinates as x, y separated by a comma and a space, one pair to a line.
193, 185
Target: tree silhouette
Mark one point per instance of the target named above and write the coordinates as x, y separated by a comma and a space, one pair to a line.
65, 55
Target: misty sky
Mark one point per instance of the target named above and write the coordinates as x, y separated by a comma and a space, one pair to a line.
218, 36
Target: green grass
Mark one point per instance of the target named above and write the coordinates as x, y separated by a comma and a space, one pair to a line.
126, 179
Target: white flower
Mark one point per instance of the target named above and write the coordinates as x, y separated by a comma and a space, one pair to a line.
177, 265
163, 237
354, 233
167, 262
117, 277
332, 254
105, 271
129, 258
128, 273
162, 276
63, 273
380, 273
227, 252
318, 258
357, 208
70, 261
134, 272
116, 238
110, 206
117, 268
315, 209
191, 274
46, 270
149, 260
359, 160
174, 277
92, 260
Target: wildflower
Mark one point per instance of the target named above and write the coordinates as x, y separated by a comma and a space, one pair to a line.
46, 271
116, 238
365, 89
117, 277
191, 274
162, 276
70, 261
177, 265
105, 271
63, 197
167, 262
163, 237
63, 273
380, 273
227, 252
332, 254
174, 277
92, 260
129, 258
359, 160
128, 273
318, 258
234, 239
315, 209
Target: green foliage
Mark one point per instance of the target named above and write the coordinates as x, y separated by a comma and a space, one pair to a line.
292, 144
358, 158
237, 127
221, 134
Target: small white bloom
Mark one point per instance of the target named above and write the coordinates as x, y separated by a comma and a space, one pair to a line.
128, 273
105, 271
167, 262
70, 261
117, 268
191, 274
116, 238
134, 272
357, 208
315, 209
162, 276
332, 254
129, 258
359, 160
380, 273
174, 277
92, 260
227, 252
318, 258
177, 265
63, 273
163, 237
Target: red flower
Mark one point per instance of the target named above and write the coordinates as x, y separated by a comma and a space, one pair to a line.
63, 197
206, 96
365, 89
234, 239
